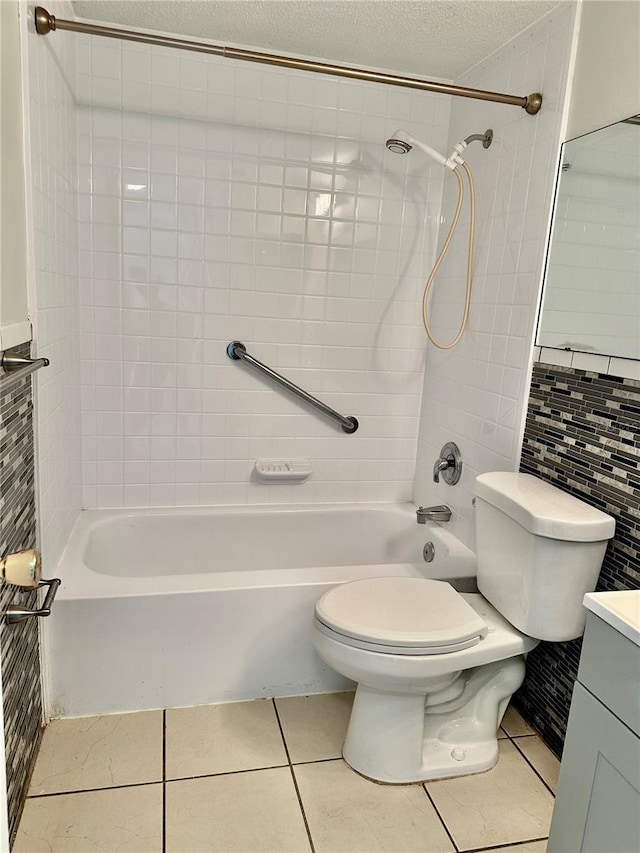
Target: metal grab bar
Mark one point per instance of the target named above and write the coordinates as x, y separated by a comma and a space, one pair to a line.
17, 367
238, 352
15, 613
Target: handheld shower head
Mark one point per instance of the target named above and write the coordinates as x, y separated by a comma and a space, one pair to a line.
402, 142
398, 146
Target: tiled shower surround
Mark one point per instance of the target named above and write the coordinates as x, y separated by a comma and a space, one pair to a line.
22, 705
582, 435
476, 393
53, 219
222, 201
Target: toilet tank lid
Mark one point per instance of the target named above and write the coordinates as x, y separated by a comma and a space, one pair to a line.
543, 509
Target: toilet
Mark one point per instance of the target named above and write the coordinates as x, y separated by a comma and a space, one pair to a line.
435, 668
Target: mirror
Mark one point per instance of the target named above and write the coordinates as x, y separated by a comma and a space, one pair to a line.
592, 286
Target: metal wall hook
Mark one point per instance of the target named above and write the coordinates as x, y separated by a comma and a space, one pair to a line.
15, 613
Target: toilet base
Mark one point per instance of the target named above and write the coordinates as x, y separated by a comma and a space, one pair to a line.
399, 738
442, 760
439, 762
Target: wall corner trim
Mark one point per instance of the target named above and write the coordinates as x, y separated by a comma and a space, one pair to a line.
16, 333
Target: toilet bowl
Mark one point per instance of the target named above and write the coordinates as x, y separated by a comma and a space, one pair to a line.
435, 668
422, 713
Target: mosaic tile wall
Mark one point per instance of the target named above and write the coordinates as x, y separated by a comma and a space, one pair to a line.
582, 434
19, 643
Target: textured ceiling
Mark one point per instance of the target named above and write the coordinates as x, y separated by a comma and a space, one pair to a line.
440, 38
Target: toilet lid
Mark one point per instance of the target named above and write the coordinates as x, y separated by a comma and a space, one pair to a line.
404, 613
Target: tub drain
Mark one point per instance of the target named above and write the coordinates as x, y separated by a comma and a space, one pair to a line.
429, 552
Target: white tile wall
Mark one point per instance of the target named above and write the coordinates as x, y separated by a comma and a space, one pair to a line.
592, 299
476, 394
52, 199
224, 201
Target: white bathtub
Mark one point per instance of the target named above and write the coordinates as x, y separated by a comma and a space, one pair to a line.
166, 608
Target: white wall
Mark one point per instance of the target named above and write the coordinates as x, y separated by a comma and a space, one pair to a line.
52, 207
606, 82
14, 324
223, 201
476, 393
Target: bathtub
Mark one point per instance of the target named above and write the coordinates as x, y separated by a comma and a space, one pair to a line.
168, 608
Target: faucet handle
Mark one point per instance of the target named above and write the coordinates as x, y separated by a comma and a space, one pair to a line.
449, 464
439, 466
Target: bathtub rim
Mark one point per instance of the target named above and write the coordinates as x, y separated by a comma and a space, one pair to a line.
81, 582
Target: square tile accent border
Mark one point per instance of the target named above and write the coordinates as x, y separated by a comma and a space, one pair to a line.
627, 368
20, 648
582, 434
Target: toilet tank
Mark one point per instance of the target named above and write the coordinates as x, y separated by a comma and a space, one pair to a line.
539, 551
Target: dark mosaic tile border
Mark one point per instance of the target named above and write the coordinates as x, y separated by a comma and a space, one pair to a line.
582, 434
22, 701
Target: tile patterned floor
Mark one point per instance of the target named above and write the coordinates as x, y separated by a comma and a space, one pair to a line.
267, 776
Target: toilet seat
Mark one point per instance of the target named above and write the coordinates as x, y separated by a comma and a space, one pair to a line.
400, 616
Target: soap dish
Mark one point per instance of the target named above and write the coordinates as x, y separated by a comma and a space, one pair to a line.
282, 470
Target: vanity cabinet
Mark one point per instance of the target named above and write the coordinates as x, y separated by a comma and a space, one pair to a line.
597, 807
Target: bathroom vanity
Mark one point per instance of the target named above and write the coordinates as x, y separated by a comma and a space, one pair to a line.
598, 801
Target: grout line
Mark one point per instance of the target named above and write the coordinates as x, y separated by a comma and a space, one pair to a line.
441, 819
535, 770
284, 740
226, 772
91, 790
317, 761
514, 737
177, 778
293, 778
304, 816
508, 844
164, 781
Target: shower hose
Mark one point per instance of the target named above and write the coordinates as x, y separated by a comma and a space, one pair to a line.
443, 252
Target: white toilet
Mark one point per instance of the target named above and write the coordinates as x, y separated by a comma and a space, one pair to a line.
436, 668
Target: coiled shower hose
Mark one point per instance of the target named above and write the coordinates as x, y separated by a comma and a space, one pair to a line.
441, 256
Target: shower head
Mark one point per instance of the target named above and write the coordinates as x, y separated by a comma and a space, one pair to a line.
398, 146
401, 142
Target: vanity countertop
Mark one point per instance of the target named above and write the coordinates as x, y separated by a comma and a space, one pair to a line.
620, 609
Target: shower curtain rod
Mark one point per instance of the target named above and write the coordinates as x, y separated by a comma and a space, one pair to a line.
45, 23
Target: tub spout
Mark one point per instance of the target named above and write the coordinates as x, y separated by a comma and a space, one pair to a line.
433, 513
